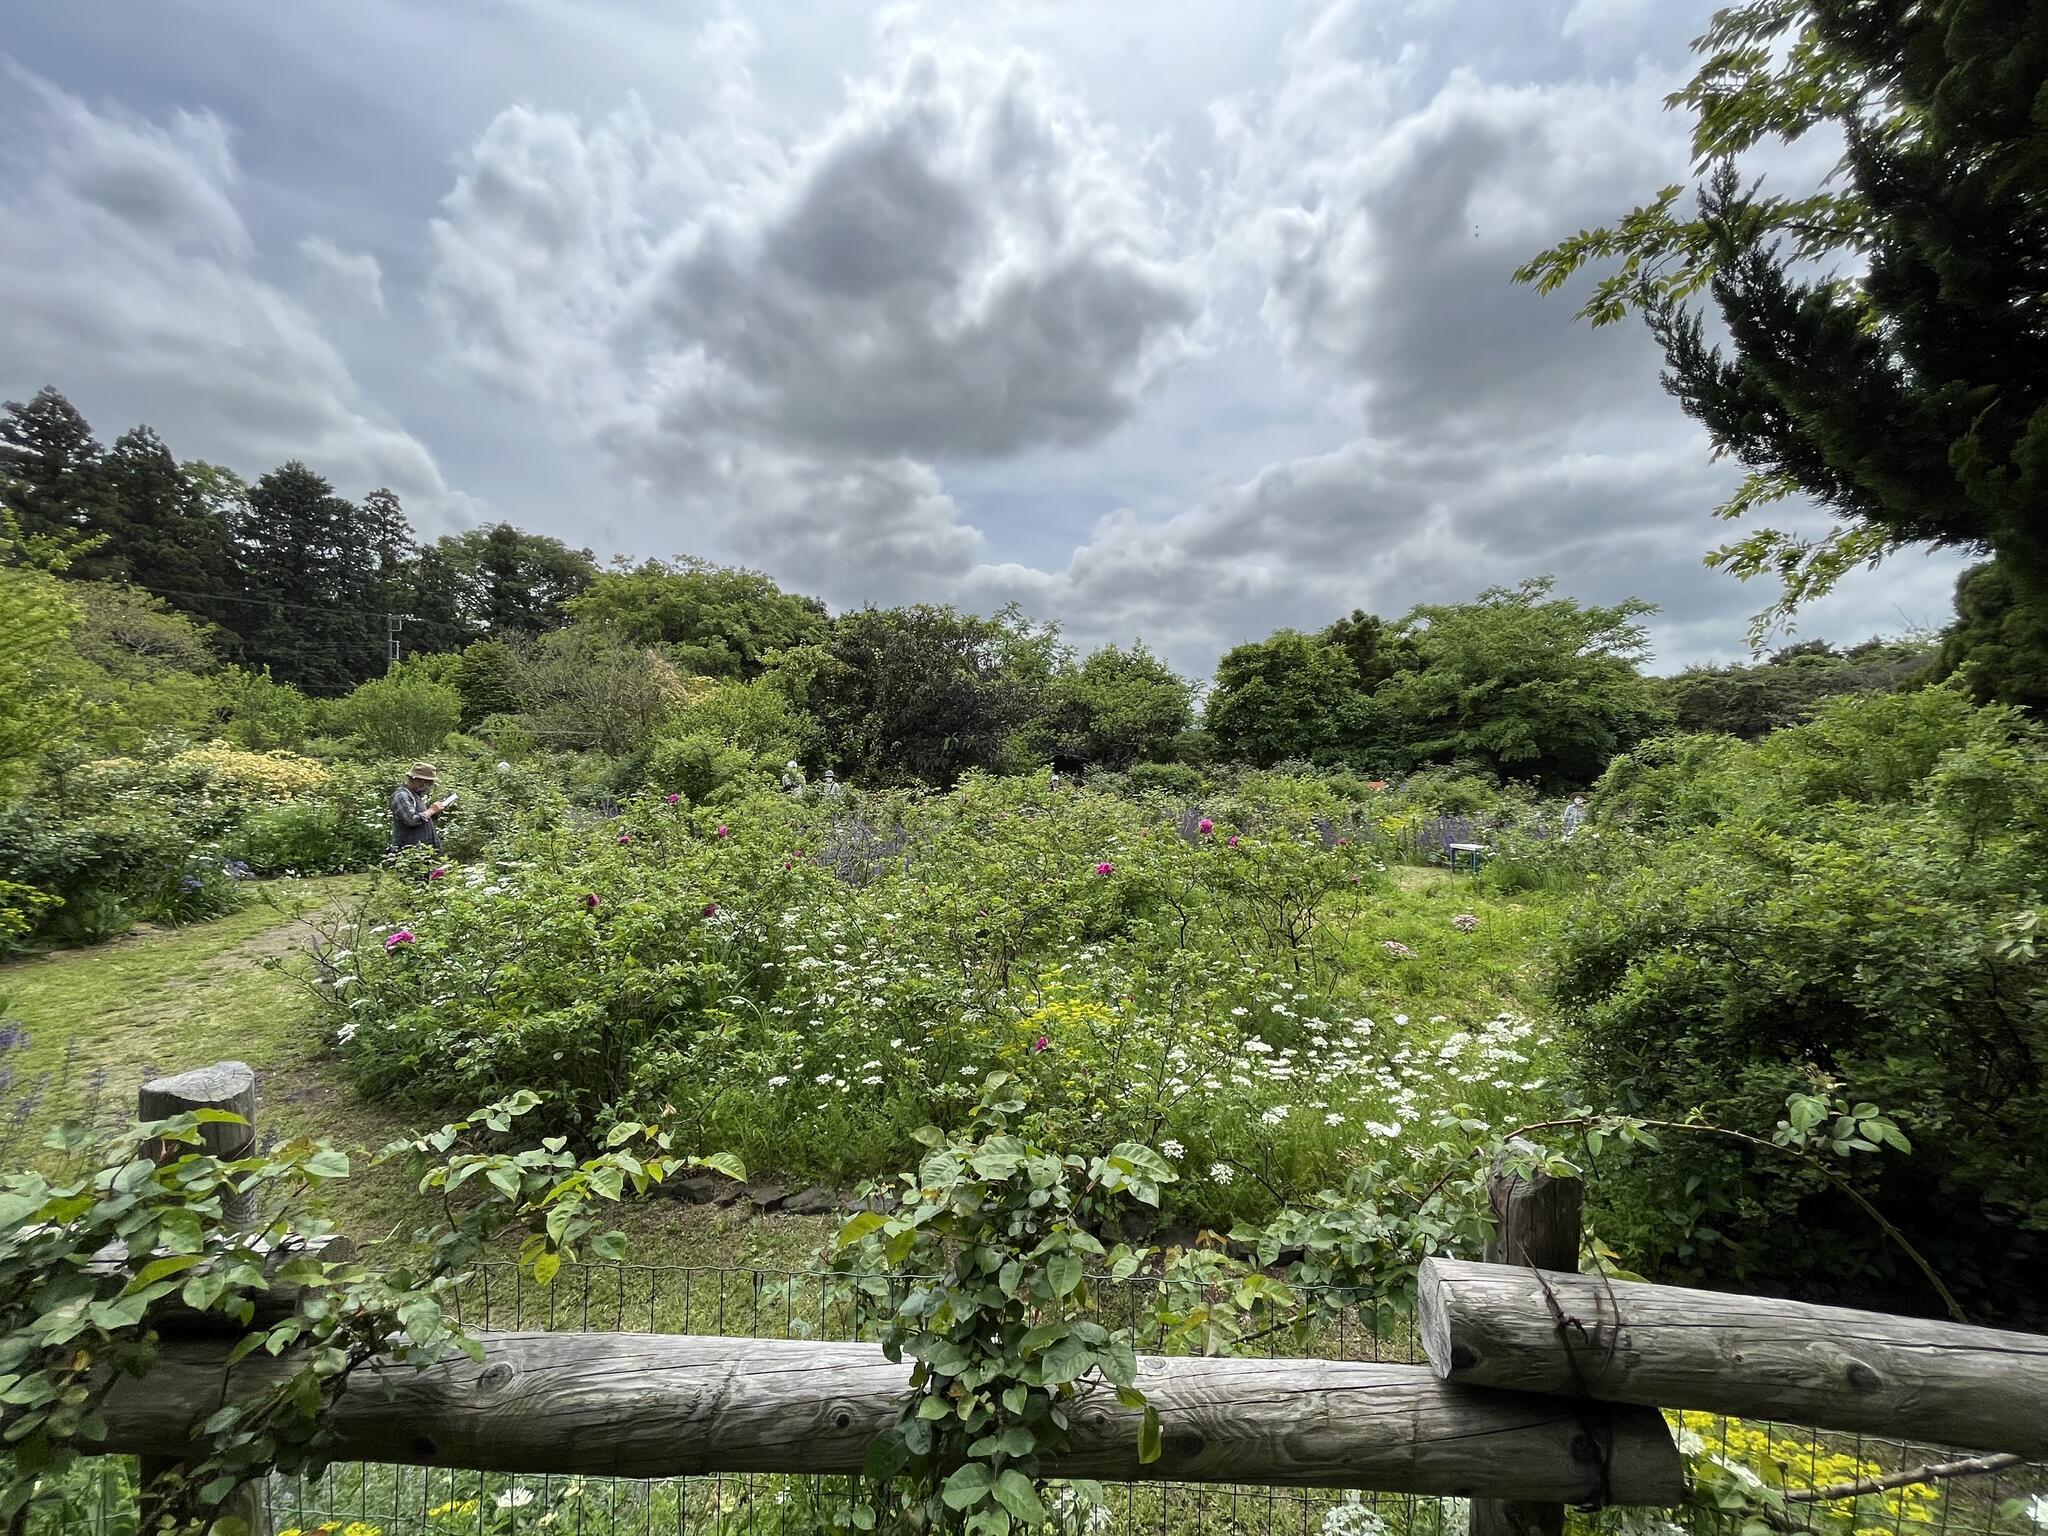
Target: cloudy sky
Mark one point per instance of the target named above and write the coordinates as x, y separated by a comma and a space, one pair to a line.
1182, 319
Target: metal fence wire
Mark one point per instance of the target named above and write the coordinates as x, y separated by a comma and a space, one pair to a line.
366, 1499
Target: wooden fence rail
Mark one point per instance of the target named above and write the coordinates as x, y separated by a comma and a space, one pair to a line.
673, 1405
1909, 1378
1542, 1390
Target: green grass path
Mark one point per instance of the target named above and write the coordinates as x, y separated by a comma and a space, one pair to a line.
234, 989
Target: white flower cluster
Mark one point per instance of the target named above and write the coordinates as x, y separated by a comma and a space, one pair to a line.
1352, 1518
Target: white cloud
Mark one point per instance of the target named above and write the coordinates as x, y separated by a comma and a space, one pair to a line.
355, 275
126, 280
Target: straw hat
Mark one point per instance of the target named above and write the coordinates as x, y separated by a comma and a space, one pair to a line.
422, 771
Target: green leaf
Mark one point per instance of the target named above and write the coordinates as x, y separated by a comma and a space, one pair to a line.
725, 1163
858, 1228
890, 1452
967, 1487
546, 1266
327, 1163
1063, 1272
159, 1269
1149, 1445
1014, 1492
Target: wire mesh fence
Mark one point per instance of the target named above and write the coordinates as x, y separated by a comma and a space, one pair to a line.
359, 1499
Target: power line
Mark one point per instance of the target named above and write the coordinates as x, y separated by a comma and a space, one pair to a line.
260, 602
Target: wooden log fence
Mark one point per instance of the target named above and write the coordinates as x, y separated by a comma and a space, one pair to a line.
1542, 1387
675, 1405
1750, 1357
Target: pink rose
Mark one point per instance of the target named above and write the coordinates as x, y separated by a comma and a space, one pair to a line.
397, 941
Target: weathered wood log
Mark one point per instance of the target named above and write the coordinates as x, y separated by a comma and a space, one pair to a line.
654, 1405
1906, 1378
227, 1085
1537, 1220
230, 1086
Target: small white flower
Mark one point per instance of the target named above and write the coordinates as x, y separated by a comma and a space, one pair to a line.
1333, 1119
777, 1081
514, 1498
1221, 1173
1172, 1150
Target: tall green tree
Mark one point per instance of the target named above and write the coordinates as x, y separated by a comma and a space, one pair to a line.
521, 581
49, 466
1751, 701
923, 694
1375, 653
1887, 348
1117, 708
1999, 641
1287, 696
716, 621
310, 616
162, 535
1528, 685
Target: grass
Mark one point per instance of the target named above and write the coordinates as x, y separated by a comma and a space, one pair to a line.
102, 1020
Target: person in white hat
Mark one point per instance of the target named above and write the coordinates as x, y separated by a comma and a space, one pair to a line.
412, 817
793, 778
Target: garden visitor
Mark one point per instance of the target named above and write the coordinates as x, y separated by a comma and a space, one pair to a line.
792, 779
412, 817
1574, 815
830, 787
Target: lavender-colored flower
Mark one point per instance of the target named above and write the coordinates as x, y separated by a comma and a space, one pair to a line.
1464, 922
1397, 949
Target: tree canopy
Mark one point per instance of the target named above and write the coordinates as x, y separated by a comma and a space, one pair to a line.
1887, 343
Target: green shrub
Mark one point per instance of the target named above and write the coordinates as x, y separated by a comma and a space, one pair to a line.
326, 836
701, 767
403, 715
1861, 913
98, 875
1177, 779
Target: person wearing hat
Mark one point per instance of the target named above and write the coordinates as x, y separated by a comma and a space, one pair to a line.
412, 817
793, 778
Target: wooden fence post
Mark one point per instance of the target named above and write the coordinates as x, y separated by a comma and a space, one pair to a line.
1538, 1221
229, 1085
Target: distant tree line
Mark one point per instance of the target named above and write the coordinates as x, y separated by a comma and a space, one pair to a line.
289, 575
285, 598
